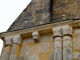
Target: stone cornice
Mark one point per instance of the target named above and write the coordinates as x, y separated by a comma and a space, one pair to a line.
41, 29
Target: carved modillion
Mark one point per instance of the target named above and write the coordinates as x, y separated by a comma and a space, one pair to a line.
36, 36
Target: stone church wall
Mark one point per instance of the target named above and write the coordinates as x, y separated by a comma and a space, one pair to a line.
44, 50
60, 42
76, 44
38, 51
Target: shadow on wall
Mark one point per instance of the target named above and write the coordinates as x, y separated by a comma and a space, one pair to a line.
1, 45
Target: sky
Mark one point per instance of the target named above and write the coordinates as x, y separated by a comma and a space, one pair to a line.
9, 11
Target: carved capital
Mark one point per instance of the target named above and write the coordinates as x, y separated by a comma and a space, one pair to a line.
57, 31
36, 36
67, 30
17, 39
8, 41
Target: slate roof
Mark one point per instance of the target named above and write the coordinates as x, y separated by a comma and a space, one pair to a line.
40, 12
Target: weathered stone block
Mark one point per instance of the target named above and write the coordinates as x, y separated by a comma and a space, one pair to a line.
7, 52
8, 40
17, 39
34, 57
3, 52
67, 30
67, 38
43, 56
76, 43
77, 32
52, 46
13, 57
58, 44
58, 54
15, 52
51, 57
15, 49
58, 39
6, 56
76, 39
67, 43
27, 50
27, 40
24, 57
47, 37
57, 31
76, 54
43, 47
67, 53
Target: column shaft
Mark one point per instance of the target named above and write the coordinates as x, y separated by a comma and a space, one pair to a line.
67, 42
57, 43
15, 47
7, 52
67, 49
58, 48
7, 48
15, 52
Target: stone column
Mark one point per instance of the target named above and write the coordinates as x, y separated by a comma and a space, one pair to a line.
15, 47
67, 42
57, 43
7, 49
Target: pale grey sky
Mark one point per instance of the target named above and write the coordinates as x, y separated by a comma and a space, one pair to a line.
9, 11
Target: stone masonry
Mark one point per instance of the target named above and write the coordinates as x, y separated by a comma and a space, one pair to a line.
40, 12
57, 44
45, 30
